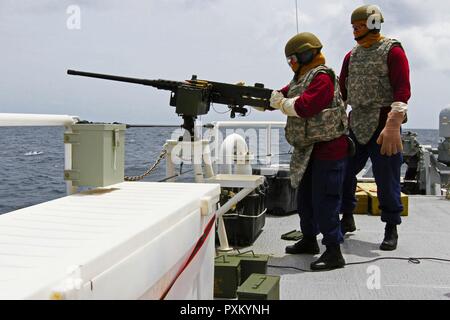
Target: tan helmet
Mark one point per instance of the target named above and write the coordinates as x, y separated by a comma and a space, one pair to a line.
365, 12
302, 42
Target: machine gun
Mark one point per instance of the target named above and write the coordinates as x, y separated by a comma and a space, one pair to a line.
192, 98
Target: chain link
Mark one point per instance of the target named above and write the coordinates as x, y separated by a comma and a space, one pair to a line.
161, 156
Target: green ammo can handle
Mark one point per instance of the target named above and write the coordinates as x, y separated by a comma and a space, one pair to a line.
224, 256
250, 251
256, 286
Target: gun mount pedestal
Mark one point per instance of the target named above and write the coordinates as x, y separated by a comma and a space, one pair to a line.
189, 126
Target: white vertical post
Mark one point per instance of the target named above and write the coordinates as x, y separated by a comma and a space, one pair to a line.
222, 233
269, 145
426, 161
70, 188
216, 142
170, 166
437, 189
197, 159
207, 159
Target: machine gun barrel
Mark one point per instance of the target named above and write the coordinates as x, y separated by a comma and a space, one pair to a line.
159, 84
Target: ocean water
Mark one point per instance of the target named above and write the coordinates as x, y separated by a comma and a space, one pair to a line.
32, 161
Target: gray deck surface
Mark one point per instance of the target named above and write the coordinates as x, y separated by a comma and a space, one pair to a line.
425, 233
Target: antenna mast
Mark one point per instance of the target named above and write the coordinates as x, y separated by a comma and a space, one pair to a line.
296, 13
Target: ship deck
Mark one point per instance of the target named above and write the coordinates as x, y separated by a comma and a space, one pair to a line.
424, 233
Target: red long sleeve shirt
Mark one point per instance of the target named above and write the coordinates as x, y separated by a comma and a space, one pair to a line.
398, 75
317, 97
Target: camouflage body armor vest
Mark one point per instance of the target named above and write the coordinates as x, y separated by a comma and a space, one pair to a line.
303, 133
368, 87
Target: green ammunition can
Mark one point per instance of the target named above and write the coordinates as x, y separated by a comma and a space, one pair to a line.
227, 272
252, 263
260, 287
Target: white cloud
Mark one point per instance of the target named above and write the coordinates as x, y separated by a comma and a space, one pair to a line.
223, 40
428, 45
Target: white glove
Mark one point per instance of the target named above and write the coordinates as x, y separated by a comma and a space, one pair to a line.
399, 107
288, 107
275, 99
278, 101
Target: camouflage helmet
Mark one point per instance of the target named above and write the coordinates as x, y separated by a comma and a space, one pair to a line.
365, 12
302, 42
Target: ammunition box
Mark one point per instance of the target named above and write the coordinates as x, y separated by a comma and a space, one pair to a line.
227, 272
252, 263
374, 204
191, 101
362, 203
245, 224
281, 198
260, 287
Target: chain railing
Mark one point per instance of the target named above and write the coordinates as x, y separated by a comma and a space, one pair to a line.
152, 168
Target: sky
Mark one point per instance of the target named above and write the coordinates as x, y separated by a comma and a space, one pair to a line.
218, 40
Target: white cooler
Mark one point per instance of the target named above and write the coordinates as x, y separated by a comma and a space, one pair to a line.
128, 241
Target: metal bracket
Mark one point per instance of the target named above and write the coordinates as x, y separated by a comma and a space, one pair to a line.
71, 175
71, 138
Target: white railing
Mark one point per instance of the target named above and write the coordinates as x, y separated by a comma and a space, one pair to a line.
268, 125
45, 120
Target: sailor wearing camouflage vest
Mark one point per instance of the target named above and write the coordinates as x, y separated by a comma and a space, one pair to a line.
374, 81
316, 128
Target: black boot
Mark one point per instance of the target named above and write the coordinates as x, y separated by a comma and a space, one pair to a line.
347, 223
331, 259
308, 245
390, 238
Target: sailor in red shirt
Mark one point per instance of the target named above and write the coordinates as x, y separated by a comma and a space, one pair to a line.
317, 97
316, 128
375, 81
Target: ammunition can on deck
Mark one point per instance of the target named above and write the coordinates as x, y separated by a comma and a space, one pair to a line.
226, 276
252, 263
260, 287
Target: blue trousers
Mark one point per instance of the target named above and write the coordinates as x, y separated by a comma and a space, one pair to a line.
386, 171
320, 199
